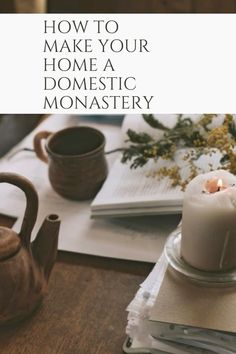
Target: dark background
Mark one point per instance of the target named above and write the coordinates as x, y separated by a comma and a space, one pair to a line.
133, 6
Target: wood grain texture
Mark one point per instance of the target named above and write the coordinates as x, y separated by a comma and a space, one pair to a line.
135, 6
84, 310
121, 6
150, 6
7, 6
170, 6
214, 6
131, 6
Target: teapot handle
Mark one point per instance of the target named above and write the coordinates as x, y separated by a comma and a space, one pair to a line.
31, 210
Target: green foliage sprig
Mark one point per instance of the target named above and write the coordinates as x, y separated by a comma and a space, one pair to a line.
197, 138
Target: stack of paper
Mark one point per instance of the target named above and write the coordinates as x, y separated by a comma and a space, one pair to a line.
179, 317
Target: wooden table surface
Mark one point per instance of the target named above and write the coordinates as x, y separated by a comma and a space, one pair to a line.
84, 310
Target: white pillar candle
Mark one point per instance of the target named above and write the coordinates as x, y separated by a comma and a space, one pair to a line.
209, 222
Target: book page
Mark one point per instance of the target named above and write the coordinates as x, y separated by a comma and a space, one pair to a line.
126, 187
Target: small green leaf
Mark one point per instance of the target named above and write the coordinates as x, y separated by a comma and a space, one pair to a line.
154, 123
139, 138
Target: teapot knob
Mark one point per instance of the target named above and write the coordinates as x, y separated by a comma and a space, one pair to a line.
31, 210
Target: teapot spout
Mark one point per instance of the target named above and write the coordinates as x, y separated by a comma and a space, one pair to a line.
44, 247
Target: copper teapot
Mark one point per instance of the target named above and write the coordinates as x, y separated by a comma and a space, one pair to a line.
25, 267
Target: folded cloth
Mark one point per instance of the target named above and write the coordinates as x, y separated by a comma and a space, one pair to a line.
139, 309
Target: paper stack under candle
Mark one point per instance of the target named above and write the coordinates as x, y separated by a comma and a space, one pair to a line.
153, 313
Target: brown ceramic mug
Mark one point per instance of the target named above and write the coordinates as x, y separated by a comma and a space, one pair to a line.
76, 160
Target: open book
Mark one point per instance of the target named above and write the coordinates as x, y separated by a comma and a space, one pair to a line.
130, 192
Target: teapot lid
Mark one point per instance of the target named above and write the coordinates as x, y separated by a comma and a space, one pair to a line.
10, 243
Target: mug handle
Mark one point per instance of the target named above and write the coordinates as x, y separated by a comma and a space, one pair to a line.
40, 153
